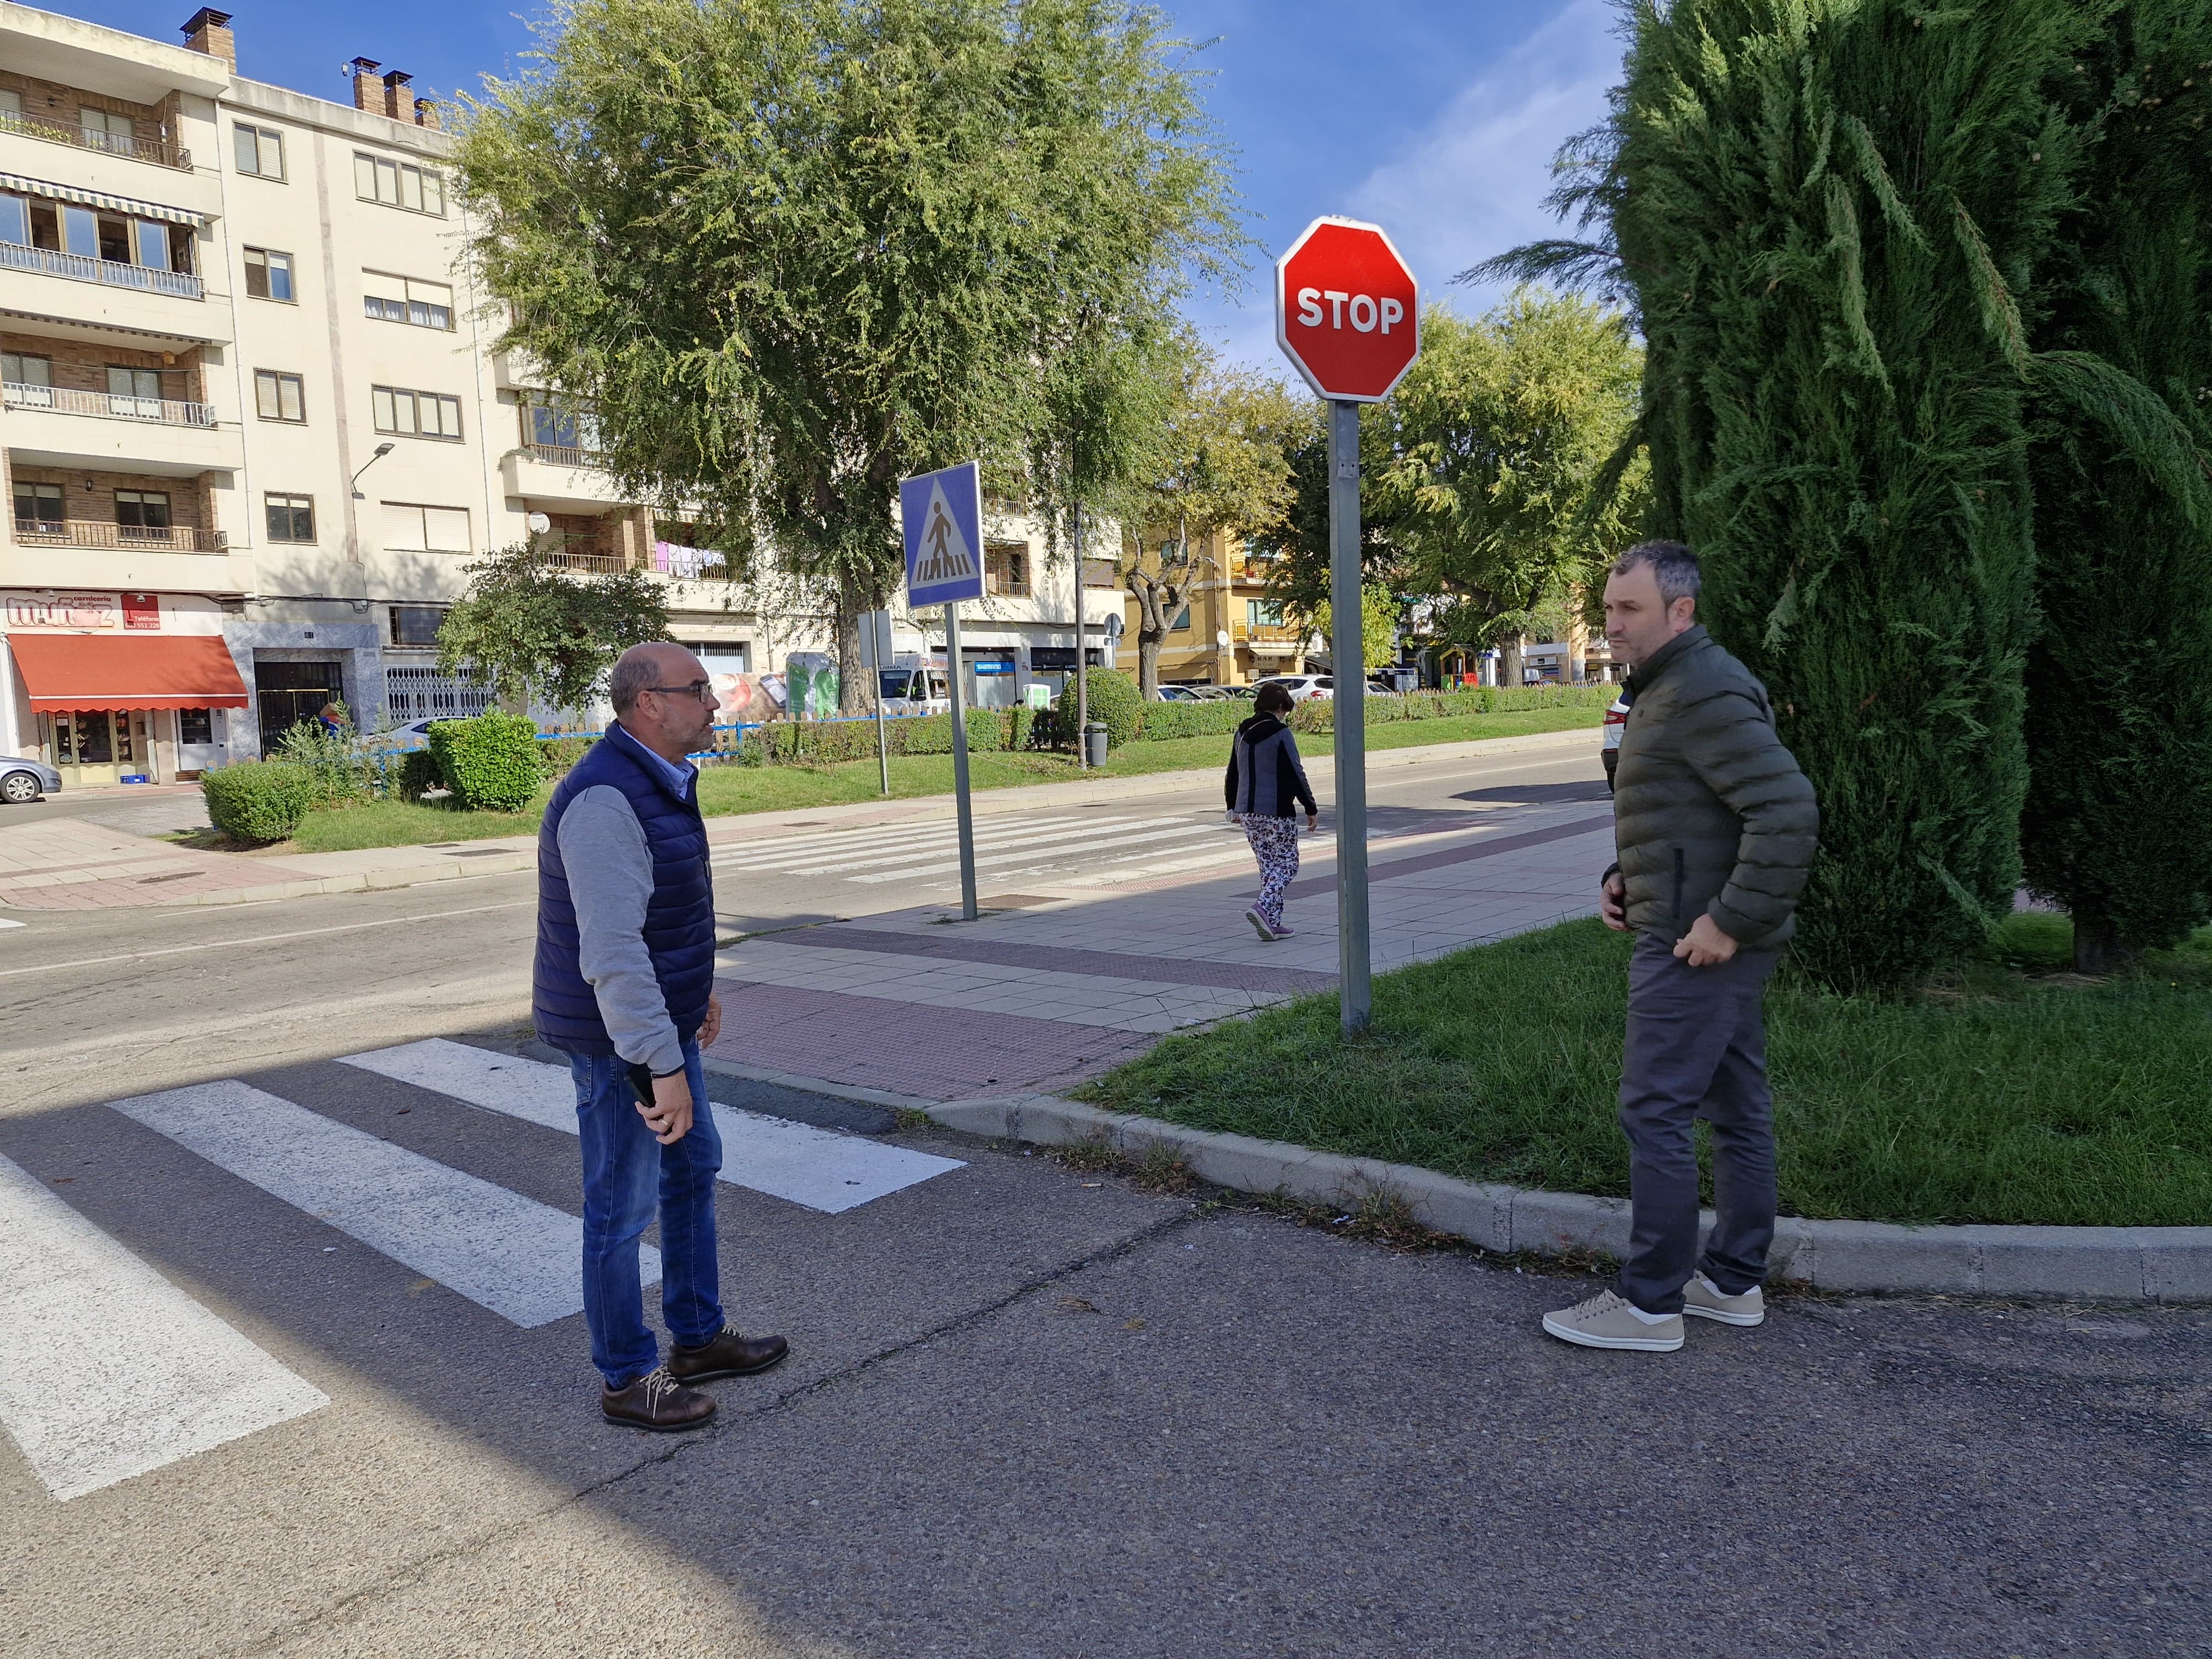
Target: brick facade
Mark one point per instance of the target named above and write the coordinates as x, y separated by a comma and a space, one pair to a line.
51, 101
79, 366
189, 506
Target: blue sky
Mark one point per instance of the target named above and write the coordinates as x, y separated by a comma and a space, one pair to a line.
1436, 119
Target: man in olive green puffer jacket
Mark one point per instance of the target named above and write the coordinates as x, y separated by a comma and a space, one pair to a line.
1715, 827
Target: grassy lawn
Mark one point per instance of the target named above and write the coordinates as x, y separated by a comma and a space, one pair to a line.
2015, 1093
730, 789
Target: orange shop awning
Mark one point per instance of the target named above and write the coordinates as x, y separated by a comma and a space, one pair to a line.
83, 671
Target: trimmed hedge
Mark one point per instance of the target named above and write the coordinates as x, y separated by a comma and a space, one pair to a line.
1163, 720
259, 801
557, 755
1113, 704
489, 763
822, 743
418, 775
1320, 715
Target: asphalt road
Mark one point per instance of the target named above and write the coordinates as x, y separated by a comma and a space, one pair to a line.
1030, 1411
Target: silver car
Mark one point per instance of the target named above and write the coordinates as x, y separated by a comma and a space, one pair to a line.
22, 781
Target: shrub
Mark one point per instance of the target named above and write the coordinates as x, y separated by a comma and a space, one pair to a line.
418, 775
557, 755
259, 801
338, 768
1165, 720
1114, 704
490, 763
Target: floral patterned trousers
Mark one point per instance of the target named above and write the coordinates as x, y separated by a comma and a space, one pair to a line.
1275, 844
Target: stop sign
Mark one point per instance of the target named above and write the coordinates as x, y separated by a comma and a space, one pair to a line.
1347, 310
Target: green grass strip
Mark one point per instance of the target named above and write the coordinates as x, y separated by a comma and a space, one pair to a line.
2003, 1096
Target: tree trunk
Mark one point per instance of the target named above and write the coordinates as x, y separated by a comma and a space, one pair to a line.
1510, 659
851, 678
2097, 948
1149, 642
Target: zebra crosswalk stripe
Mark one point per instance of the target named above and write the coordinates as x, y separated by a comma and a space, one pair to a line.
1086, 852
519, 1258
66, 1288
816, 1168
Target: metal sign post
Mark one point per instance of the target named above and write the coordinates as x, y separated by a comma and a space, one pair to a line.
941, 516
875, 657
1347, 666
1082, 688
1348, 314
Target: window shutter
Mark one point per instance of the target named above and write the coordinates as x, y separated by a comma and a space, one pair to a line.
377, 285
403, 529
445, 529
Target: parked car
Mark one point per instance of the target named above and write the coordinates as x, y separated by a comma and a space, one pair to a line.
1185, 693
22, 781
1616, 722
914, 691
1304, 688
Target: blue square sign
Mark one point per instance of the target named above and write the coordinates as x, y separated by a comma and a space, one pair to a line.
942, 514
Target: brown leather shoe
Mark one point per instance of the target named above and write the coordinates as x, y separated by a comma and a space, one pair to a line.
728, 1355
659, 1402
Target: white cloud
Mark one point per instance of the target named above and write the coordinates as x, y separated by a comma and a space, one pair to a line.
1472, 185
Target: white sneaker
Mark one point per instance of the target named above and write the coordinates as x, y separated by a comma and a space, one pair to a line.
1608, 1322
1706, 1300
1260, 924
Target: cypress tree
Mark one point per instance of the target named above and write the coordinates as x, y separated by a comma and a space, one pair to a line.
2119, 679
1830, 213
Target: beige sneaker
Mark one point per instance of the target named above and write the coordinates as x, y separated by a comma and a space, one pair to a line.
1607, 1321
1706, 1299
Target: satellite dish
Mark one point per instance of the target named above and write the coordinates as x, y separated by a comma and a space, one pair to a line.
1221, 636
539, 523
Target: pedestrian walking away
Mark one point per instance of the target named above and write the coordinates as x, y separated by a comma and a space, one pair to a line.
624, 985
1715, 828
1264, 788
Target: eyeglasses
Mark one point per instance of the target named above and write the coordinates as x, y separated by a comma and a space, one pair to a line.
697, 688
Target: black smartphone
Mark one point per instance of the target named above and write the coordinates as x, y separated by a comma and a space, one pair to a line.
640, 1081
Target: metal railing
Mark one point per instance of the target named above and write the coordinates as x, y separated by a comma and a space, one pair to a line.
564, 455
160, 151
113, 272
87, 533
1268, 634
67, 400
578, 554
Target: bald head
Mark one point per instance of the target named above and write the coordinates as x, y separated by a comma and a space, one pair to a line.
664, 698
641, 666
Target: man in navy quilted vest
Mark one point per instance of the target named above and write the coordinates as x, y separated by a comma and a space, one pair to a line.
624, 985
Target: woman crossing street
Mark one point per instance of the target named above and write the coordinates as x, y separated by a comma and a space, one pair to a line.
1266, 785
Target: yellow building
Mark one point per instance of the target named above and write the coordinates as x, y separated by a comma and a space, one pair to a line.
1226, 632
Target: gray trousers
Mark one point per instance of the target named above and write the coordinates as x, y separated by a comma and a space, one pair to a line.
1697, 1047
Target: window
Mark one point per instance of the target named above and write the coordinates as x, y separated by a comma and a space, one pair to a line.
11, 102
103, 129
1007, 570
195, 725
144, 513
268, 274
403, 300
135, 392
415, 624
551, 423
29, 381
14, 221
1263, 613
260, 151
411, 529
38, 508
1182, 623
278, 396
415, 414
291, 518
397, 184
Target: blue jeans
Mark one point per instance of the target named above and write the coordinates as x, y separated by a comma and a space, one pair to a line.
625, 1172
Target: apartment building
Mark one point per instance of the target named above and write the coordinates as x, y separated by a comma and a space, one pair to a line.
1228, 632
251, 427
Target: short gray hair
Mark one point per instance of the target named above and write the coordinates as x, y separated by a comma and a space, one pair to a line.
635, 671
1674, 566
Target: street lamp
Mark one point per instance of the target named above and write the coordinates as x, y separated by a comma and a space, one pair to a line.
382, 450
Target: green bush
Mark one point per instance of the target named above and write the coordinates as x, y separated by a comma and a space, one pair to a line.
824, 743
555, 755
1320, 715
1113, 704
418, 775
490, 763
259, 801
341, 770
1166, 720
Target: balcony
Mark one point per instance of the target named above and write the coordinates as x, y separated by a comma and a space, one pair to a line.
160, 151
559, 477
583, 554
88, 532
1269, 639
113, 273
64, 400
562, 455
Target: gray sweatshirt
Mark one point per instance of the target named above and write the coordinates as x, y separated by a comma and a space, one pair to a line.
610, 871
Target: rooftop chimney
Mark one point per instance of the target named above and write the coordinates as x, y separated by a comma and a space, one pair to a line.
209, 31
398, 102
367, 94
426, 114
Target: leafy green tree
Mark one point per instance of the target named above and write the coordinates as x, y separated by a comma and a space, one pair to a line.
536, 634
2119, 697
1831, 216
1219, 461
794, 250
1379, 629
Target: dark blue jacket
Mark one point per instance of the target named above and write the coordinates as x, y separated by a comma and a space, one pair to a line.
679, 919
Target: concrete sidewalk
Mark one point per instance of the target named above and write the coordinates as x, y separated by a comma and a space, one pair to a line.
79, 862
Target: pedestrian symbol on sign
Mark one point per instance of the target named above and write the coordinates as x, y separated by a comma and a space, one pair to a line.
945, 555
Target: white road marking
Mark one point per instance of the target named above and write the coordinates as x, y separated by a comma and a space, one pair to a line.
934, 847
4, 922
257, 938
908, 842
904, 830
521, 1259
817, 1168
1075, 853
68, 1293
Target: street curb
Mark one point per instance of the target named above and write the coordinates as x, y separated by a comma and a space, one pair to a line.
2074, 1264
356, 881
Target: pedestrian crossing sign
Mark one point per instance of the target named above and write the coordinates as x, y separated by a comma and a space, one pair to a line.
942, 514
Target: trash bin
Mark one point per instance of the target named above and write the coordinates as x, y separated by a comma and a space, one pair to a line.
1094, 745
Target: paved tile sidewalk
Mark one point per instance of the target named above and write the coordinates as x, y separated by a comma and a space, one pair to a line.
1083, 977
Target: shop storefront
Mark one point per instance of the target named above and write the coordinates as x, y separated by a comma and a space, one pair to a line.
115, 709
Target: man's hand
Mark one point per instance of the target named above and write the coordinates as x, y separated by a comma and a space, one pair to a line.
1613, 901
1704, 945
669, 1117
711, 1027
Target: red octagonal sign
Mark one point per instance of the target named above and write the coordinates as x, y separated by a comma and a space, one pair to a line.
1348, 311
